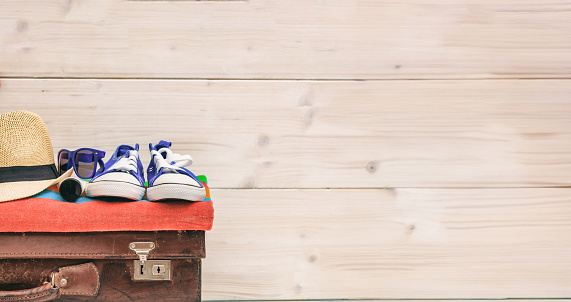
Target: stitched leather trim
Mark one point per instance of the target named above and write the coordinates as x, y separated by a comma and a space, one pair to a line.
81, 280
107, 256
43, 293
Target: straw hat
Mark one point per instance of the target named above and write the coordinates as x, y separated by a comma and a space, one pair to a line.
26, 156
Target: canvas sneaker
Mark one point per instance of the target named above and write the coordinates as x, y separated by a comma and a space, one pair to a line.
122, 176
168, 179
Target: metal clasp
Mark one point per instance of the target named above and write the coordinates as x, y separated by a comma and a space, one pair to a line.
152, 270
149, 270
142, 249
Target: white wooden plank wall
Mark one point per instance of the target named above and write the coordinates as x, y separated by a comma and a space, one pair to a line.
323, 134
357, 149
276, 39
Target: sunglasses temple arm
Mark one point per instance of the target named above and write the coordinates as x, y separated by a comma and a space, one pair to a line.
101, 164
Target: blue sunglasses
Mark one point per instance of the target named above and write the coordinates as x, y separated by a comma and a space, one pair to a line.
84, 161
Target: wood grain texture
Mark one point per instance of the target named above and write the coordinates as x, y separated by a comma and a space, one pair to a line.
293, 39
427, 300
316, 96
383, 244
322, 134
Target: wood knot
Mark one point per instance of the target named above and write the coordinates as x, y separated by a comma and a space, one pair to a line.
371, 166
263, 140
22, 26
298, 288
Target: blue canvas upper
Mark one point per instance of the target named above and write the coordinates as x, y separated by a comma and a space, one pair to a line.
153, 173
121, 152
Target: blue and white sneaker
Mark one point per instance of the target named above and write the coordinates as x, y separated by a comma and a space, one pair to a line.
121, 177
168, 179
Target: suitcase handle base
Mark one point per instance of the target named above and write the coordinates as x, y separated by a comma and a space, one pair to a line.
79, 280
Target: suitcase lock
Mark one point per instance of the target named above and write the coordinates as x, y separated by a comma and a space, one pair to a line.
149, 270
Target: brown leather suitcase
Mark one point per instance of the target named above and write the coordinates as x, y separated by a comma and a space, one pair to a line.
101, 266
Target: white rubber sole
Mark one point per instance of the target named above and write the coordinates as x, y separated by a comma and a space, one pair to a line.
175, 191
115, 189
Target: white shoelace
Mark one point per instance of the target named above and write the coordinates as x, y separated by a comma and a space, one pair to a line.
127, 163
173, 162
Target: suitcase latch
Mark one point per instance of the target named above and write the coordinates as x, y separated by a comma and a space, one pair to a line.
142, 249
149, 270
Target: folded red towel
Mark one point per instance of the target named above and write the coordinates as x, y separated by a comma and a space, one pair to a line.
37, 214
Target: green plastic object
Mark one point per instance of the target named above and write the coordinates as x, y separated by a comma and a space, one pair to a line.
202, 178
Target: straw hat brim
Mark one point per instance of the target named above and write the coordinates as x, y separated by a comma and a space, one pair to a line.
22, 189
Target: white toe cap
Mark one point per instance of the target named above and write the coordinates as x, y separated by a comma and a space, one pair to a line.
172, 178
118, 176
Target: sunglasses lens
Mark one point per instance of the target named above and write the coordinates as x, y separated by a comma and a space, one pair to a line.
63, 160
85, 163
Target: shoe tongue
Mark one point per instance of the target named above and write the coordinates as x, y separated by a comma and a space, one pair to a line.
123, 149
162, 144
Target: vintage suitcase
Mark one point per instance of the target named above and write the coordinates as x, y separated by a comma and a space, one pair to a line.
101, 250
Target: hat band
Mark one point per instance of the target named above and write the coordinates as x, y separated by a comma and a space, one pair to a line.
28, 173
